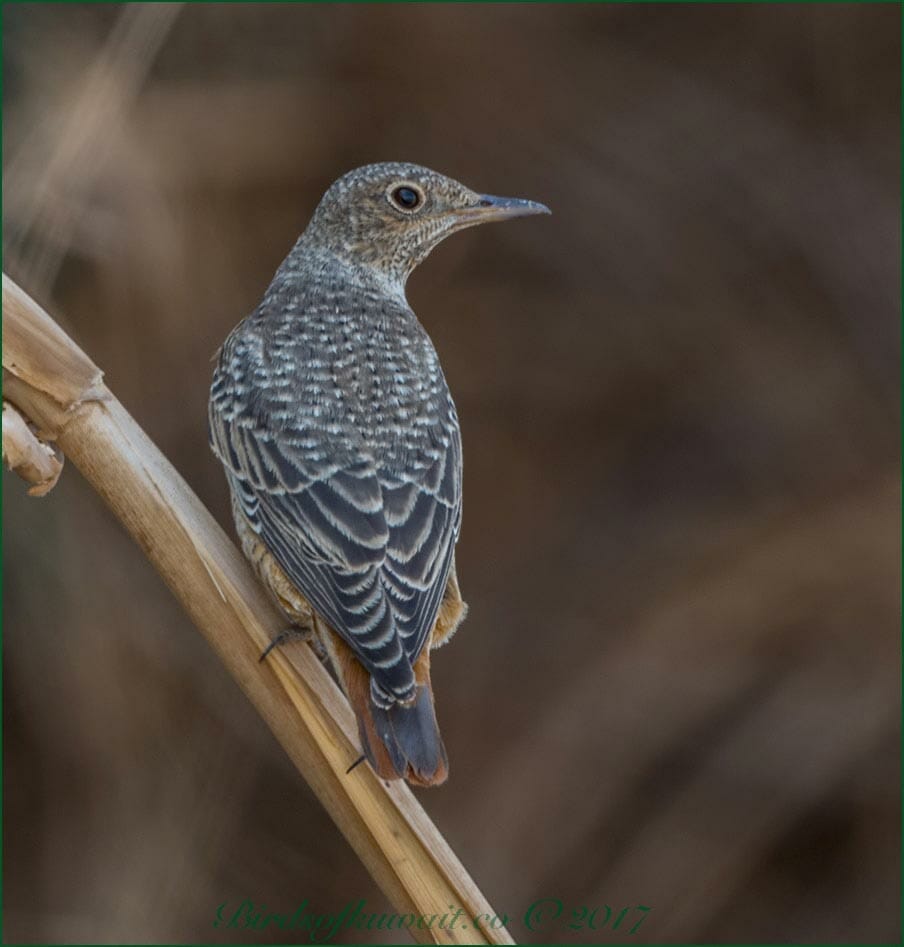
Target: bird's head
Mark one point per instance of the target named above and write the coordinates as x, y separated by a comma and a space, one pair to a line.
390, 216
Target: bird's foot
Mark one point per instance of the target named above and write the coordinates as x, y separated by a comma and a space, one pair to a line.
296, 633
357, 762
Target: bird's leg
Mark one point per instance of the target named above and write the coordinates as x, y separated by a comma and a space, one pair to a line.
296, 632
285, 636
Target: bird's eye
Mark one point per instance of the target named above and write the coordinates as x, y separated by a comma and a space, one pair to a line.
406, 198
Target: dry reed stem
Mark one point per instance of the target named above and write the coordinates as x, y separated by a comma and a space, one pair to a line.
27, 455
57, 387
71, 144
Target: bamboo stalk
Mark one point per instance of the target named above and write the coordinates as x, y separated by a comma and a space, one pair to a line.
60, 390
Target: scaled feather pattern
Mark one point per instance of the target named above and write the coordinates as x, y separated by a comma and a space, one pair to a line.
330, 411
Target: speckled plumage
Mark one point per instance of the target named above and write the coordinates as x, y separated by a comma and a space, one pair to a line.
340, 439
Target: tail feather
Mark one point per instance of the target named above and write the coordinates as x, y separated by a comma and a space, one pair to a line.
403, 741
411, 736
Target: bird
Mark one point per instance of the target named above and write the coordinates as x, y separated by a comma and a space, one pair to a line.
342, 450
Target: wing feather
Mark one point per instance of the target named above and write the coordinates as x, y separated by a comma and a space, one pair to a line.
370, 547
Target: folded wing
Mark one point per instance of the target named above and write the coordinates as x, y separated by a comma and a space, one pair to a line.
369, 548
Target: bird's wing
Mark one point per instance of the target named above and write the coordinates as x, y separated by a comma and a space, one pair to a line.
323, 521
423, 514
370, 548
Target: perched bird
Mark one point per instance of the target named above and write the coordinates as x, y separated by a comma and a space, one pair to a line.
340, 440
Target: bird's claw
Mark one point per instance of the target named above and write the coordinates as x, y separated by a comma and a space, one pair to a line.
294, 632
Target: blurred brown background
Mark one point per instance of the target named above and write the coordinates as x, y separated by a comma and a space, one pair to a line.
679, 685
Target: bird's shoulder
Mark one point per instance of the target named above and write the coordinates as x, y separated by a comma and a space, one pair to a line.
339, 360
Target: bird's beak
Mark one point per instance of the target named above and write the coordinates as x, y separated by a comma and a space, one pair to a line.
490, 208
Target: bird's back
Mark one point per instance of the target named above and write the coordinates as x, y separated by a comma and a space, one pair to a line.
331, 413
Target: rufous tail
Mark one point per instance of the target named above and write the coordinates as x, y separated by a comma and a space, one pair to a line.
402, 742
